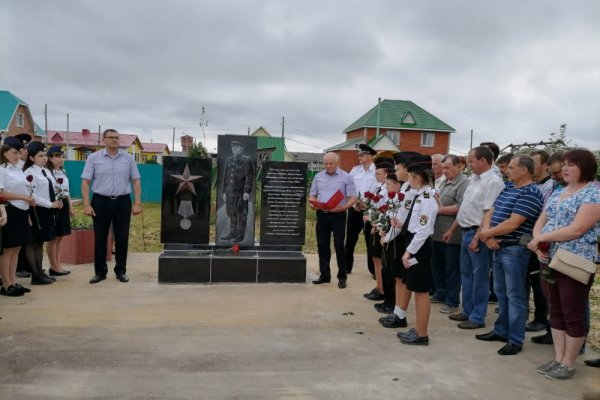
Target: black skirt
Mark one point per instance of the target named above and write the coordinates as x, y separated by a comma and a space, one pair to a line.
63, 220
18, 226
42, 224
417, 278
376, 248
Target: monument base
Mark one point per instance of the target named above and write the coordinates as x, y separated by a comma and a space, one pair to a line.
182, 263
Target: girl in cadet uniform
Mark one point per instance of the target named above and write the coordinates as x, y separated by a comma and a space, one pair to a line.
62, 226
416, 260
397, 315
42, 184
13, 188
382, 165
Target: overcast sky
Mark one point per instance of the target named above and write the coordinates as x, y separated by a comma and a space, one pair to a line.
512, 71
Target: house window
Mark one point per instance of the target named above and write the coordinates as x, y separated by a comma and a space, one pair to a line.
427, 139
394, 136
20, 120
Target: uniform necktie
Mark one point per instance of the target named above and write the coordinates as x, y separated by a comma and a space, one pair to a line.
50, 188
407, 220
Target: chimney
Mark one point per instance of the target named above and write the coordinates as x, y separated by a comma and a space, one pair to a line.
85, 131
186, 143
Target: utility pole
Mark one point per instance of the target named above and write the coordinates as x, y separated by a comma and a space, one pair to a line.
202, 126
99, 140
283, 126
173, 138
471, 144
68, 136
46, 121
378, 114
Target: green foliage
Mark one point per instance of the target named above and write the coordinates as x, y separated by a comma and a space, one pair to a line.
559, 141
197, 151
81, 222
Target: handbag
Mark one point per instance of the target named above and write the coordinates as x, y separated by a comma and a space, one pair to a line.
573, 266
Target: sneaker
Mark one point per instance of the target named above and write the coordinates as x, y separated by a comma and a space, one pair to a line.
458, 317
446, 309
546, 338
545, 368
561, 372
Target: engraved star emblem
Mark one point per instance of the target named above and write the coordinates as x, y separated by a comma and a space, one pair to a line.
186, 181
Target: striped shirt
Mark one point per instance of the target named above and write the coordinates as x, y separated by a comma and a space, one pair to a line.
526, 201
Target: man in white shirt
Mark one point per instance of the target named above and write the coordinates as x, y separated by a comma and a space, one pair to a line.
475, 257
436, 166
364, 180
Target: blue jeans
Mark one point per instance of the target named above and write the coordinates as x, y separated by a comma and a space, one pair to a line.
510, 274
475, 279
445, 270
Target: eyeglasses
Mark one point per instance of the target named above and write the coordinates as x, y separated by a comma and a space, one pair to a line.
111, 137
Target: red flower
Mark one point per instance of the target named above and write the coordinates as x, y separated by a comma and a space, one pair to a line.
60, 181
543, 246
29, 178
391, 195
376, 198
235, 248
369, 195
383, 208
400, 196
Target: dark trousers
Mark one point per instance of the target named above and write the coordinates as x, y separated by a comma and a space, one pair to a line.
237, 211
326, 224
389, 257
533, 285
445, 270
354, 225
118, 213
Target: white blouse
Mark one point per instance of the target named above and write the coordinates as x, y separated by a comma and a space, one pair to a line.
61, 190
12, 180
41, 192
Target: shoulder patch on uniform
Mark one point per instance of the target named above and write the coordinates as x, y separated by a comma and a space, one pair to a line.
423, 220
426, 195
407, 204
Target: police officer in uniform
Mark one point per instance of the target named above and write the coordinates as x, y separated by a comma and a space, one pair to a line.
24, 138
364, 180
238, 181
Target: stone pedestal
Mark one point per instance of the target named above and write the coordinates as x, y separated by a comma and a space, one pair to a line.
180, 263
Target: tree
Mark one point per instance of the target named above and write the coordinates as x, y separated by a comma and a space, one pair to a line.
197, 151
559, 141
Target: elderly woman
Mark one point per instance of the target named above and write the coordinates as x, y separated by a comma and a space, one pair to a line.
570, 221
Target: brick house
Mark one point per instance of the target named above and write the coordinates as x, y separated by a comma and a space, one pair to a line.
394, 125
15, 117
78, 145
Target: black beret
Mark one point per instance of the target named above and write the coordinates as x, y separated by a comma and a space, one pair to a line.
24, 137
55, 150
392, 177
405, 157
13, 142
389, 166
364, 149
35, 147
420, 163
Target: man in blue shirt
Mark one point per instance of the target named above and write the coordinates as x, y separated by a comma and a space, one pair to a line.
111, 172
324, 185
514, 214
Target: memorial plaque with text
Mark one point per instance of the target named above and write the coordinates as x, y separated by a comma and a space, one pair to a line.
283, 205
185, 216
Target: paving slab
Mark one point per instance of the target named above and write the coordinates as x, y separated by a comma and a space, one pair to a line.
145, 340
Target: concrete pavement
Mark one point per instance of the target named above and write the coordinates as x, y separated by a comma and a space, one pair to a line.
142, 340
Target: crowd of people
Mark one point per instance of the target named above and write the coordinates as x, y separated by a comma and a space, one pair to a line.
517, 226
36, 207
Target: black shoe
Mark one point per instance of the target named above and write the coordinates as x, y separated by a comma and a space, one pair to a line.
413, 338
396, 322
97, 278
412, 332
322, 279
22, 288
535, 326
11, 291
593, 363
491, 337
383, 308
458, 317
374, 290
510, 349
41, 280
45, 275
376, 296
123, 278
468, 324
546, 338
58, 273
23, 274
342, 283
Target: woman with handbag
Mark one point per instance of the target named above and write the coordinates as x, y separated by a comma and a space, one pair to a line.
570, 223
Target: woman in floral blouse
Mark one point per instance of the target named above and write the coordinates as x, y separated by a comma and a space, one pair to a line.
570, 221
